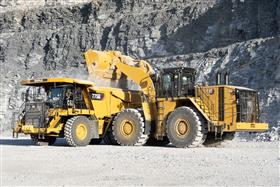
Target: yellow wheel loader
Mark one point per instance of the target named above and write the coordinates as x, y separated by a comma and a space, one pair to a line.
175, 109
168, 108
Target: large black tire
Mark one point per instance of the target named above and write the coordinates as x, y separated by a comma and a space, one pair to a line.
154, 142
212, 142
185, 127
228, 136
128, 128
95, 141
109, 139
49, 140
35, 140
78, 131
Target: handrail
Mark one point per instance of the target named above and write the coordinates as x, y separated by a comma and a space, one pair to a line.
13, 120
21, 111
199, 92
17, 116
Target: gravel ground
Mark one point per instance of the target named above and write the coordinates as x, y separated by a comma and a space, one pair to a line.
235, 163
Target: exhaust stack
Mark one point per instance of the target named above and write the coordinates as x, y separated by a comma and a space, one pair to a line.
218, 78
226, 78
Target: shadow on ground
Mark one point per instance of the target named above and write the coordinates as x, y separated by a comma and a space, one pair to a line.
58, 142
28, 142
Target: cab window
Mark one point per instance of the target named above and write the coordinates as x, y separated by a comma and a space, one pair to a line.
186, 80
166, 80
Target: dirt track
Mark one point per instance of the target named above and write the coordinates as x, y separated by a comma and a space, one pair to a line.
236, 163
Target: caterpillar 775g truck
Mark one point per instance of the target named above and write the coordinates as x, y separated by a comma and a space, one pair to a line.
168, 108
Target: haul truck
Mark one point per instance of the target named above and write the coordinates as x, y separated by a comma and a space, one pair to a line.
168, 108
71, 108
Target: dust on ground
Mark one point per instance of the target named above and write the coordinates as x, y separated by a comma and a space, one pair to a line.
234, 163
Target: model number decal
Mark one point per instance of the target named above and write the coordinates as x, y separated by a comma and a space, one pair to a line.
97, 96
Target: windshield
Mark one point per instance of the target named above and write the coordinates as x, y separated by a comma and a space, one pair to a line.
55, 96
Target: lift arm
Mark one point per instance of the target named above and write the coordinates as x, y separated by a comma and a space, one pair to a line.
111, 64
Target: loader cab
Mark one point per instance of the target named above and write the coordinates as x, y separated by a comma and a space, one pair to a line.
176, 82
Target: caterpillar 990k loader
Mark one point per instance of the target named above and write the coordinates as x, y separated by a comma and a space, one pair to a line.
169, 107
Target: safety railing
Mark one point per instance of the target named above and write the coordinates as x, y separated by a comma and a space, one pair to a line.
21, 111
207, 102
17, 116
13, 120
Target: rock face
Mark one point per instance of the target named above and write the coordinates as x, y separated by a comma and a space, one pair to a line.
48, 39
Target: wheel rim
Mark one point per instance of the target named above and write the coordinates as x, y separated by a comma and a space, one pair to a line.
127, 127
182, 127
81, 131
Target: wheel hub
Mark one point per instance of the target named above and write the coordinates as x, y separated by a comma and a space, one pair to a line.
127, 128
81, 131
182, 127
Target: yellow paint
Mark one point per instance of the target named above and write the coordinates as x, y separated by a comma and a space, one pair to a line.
114, 100
102, 63
197, 106
101, 127
45, 81
230, 112
182, 127
251, 127
164, 108
29, 129
113, 65
87, 98
127, 127
81, 131
54, 121
70, 112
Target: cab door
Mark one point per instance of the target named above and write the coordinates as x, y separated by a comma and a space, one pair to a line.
187, 84
167, 87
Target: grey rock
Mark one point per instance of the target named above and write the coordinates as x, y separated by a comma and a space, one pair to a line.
49, 38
